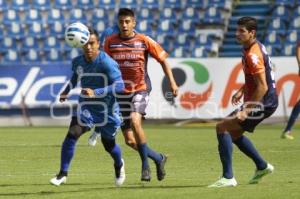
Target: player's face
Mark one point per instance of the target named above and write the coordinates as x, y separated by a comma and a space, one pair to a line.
126, 25
244, 36
91, 48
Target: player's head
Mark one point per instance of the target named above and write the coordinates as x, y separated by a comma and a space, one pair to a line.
91, 48
246, 29
126, 22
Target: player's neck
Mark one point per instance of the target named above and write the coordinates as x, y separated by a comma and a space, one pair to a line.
249, 43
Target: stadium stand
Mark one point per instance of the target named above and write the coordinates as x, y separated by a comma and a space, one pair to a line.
191, 28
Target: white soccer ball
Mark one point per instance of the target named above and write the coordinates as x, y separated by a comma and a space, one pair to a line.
77, 35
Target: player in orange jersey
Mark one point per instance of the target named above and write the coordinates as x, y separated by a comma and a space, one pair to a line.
260, 102
131, 49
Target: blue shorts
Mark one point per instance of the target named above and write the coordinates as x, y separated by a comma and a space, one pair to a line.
254, 117
105, 122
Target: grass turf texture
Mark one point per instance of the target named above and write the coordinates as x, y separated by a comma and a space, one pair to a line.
29, 157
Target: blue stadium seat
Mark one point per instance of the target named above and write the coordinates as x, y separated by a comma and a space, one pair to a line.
145, 27
107, 4
20, 5
1, 33
33, 15
9, 43
274, 40
273, 50
295, 23
187, 26
287, 3
132, 4
77, 15
11, 56
191, 13
203, 39
57, 29
282, 12
289, 50
166, 26
146, 14
41, 4
296, 11
74, 52
63, 4
51, 42
15, 30
33, 55
199, 52
100, 25
220, 4
168, 14
10, 16
3, 5
212, 16
100, 14
150, 4
196, 4
85, 4
37, 30
278, 25
180, 52
292, 37
175, 4
53, 55
55, 15
29, 43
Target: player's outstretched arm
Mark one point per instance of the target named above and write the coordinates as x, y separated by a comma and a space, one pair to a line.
71, 84
236, 98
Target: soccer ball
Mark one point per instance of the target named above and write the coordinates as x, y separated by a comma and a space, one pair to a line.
77, 35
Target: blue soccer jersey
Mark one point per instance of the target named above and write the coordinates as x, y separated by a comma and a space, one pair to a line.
100, 73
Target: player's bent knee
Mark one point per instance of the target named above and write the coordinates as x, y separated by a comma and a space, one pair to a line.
131, 143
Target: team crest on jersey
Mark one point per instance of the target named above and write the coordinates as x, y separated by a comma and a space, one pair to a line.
79, 70
86, 113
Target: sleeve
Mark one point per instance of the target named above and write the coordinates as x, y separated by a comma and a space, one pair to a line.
255, 63
155, 50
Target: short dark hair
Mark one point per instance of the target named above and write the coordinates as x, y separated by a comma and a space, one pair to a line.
94, 32
250, 23
126, 12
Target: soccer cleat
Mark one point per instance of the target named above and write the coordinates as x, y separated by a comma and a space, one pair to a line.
160, 168
59, 179
146, 175
287, 135
120, 174
93, 138
259, 174
224, 182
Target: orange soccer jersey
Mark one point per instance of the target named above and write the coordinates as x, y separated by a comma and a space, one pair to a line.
256, 60
132, 57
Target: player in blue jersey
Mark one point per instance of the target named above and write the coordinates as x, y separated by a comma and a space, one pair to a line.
260, 102
287, 133
100, 78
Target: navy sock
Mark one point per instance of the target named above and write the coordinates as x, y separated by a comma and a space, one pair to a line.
293, 117
143, 151
246, 146
116, 154
67, 152
156, 157
225, 152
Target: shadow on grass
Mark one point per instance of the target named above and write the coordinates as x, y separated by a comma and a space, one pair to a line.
82, 190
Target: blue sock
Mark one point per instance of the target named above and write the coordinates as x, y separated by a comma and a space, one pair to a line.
67, 152
225, 152
116, 154
156, 157
293, 117
143, 151
246, 146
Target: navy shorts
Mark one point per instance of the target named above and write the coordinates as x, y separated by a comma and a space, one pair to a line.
134, 102
254, 117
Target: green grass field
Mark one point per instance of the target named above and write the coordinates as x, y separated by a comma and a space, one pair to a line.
29, 157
